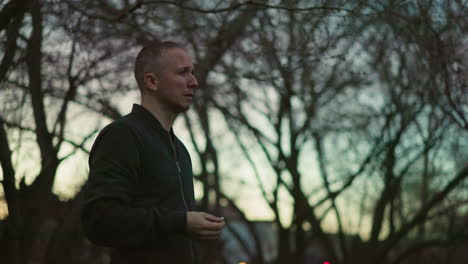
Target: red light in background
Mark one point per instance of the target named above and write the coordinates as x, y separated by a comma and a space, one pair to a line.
326, 262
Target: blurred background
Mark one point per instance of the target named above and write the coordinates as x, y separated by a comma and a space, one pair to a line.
325, 132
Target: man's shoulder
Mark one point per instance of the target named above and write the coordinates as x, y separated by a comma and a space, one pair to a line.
121, 129
121, 124
128, 122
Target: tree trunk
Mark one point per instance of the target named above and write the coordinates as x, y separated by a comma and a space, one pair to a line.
12, 238
284, 251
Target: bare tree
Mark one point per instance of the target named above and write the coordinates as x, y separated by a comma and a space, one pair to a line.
53, 73
282, 83
279, 82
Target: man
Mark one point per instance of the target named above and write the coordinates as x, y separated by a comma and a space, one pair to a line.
139, 198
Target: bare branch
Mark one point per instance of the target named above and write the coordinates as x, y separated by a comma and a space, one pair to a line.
28, 129
423, 212
232, 7
81, 145
12, 10
69, 95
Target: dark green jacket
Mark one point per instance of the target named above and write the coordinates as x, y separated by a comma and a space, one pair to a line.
139, 190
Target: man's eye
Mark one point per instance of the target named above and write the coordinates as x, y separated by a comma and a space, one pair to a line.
186, 71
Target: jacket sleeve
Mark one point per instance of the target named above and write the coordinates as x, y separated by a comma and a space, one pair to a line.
108, 217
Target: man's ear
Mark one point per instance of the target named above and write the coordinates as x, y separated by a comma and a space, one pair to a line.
151, 81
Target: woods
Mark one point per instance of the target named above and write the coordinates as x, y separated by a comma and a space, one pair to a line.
345, 120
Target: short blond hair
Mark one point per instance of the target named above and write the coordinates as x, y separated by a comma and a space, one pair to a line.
150, 59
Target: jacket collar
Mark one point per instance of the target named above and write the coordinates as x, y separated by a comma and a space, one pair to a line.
145, 114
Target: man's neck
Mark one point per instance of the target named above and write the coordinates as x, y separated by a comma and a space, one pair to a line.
165, 117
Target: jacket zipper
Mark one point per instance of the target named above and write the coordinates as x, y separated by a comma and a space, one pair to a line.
181, 190
178, 172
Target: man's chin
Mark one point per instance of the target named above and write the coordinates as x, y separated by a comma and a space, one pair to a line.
182, 108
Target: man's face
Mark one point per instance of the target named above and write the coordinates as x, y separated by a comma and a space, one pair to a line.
175, 81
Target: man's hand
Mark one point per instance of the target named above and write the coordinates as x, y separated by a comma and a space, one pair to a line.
201, 225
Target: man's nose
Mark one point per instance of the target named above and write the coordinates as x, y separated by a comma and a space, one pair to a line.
193, 81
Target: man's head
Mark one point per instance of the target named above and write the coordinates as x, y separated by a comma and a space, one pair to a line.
164, 73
